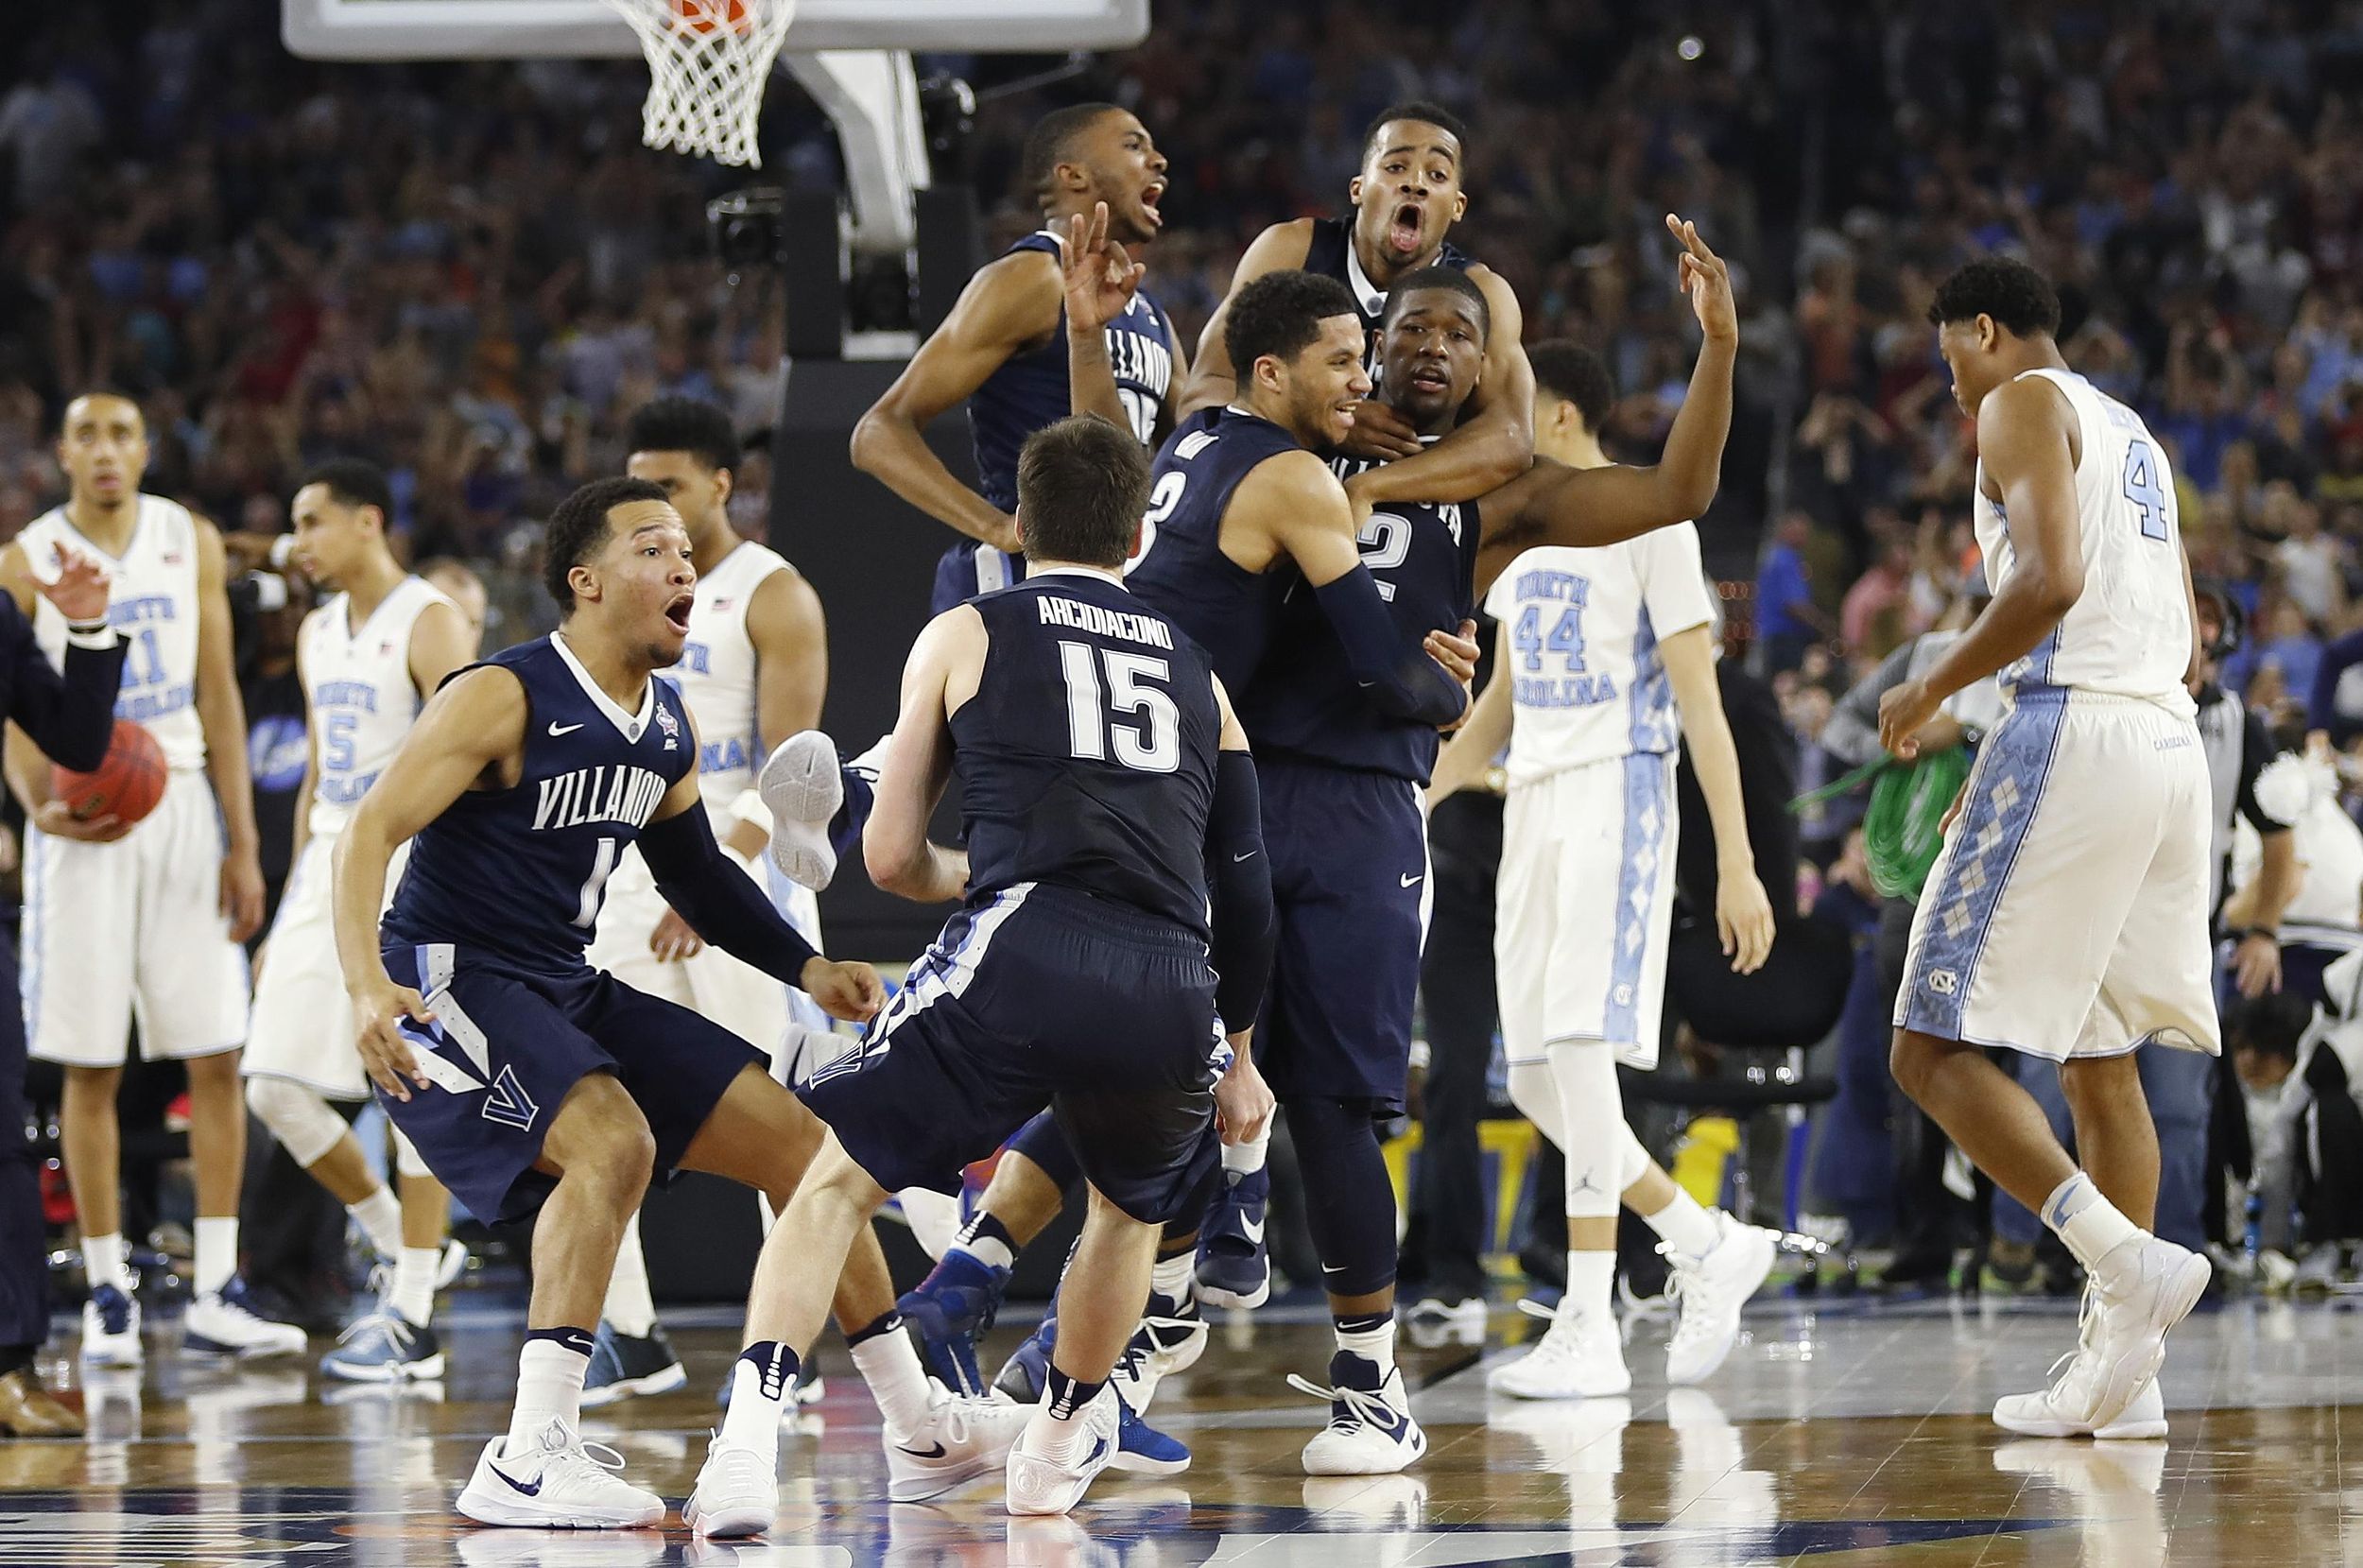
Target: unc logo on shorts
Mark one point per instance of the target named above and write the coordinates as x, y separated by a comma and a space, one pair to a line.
1623, 996
1944, 982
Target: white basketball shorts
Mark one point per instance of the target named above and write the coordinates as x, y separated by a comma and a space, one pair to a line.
1583, 908
303, 1027
133, 929
2066, 915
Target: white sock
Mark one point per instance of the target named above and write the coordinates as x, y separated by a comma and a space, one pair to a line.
630, 1309
1376, 1344
1176, 1279
758, 1398
1246, 1159
217, 1254
380, 1218
414, 1283
1591, 1283
549, 1388
107, 1261
889, 1364
2089, 1225
1684, 1226
989, 1250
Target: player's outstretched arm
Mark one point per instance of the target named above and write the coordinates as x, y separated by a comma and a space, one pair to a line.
723, 904
940, 677
1246, 927
1294, 504
1007, 306
1214, 380
1743, 913
473, 729
1467, 756
2023, 437
1495, 441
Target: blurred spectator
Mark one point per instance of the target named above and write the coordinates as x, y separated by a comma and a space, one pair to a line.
1787, 620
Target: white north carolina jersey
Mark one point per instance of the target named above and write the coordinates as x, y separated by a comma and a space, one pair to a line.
152, 601
2128, 634
358, 696
716, 676
1587, 683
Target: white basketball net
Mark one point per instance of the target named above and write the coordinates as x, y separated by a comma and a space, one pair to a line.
708, 61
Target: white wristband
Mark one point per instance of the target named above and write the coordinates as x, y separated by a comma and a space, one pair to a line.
95, 635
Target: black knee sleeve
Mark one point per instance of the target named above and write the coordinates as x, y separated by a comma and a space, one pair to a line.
1042, 1142
1349, 1201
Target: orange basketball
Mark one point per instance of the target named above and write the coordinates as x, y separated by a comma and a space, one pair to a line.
126, 784
704, 16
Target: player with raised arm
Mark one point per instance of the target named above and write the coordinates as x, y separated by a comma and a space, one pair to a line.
536, 1086
1108, 797
753, 672
2066, 915
1002, 352
368, 659
146, 919
1600, 652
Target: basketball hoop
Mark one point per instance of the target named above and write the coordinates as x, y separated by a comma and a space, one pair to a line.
708, 61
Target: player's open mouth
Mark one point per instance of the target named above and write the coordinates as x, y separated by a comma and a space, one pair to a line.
1410, 224
1431, 378
1152, 194
677, 611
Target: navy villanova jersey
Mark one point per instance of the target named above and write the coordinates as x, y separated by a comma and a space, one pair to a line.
1030, 390
1305, 701
521, 871
1087, 756
1182, 572
1331, 253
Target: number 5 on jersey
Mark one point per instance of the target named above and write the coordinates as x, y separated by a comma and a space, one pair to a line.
1102, 683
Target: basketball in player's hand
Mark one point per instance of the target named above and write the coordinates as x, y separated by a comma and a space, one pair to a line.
126, 785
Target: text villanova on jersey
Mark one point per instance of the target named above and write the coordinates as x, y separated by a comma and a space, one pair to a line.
602, 794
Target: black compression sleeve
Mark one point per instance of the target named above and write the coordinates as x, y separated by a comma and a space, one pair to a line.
1404, 682
1239, 874
720, 900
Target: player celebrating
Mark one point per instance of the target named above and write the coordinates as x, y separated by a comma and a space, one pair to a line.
147, 916
368, 658
1003, 351
2066, 915
1107, 791
1600, 650
1405, 200
533, 1084
753, 672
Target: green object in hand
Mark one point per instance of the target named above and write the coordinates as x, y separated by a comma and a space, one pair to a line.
1904, 826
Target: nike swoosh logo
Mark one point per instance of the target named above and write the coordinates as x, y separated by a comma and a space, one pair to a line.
935, 1453
1410, 881
1237, 858
533, 1490
557, 729
1253, 1229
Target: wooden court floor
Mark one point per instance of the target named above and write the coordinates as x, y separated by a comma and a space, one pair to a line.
1837, 1434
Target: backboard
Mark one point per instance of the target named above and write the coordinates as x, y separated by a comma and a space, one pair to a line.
522, 29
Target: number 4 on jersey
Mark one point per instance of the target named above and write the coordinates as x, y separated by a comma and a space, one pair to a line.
2145, 489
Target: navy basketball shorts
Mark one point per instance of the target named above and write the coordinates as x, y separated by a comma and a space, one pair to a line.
1350, 877
509, 1042
1040, 995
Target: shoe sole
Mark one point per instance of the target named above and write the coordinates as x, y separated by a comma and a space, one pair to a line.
2122, 1433
1024, 1470
1412, 1453
2123, 1378
664, 1381
1129, 1464
1548, 1395
424, 1370
727, 1524
935, 1483
111, 1358
196, 1344
489, 1510
801, 784
1216, 1296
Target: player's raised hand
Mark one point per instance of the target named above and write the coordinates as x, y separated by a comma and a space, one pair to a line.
1902, 710
1458, 652
1704, 276
242, 895
56, 820
79, 589
379, 1006
1101, 276
850, 991
1743, 919
673, 942
1380, 434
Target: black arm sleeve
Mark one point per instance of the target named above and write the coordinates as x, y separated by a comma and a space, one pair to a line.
70, 716
1405, 683
1240, 876
2256, 752
719, 901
